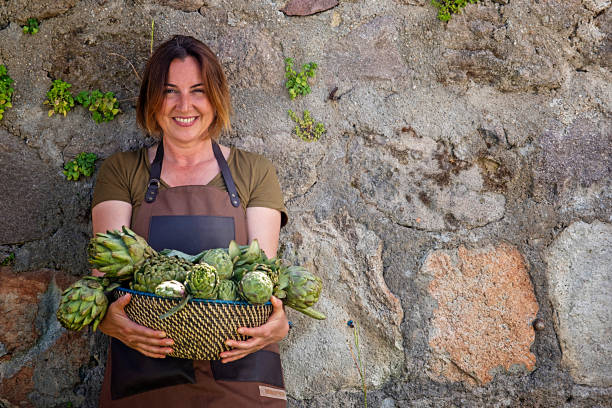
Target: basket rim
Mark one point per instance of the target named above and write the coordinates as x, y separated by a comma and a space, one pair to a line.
196, 300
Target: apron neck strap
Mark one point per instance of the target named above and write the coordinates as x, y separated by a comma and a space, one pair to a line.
227, 175
155, 174
156, 167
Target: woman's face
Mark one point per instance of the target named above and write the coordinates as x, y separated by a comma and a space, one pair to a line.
186, 112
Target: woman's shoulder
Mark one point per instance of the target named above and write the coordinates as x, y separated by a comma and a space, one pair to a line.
128, 156
128, 159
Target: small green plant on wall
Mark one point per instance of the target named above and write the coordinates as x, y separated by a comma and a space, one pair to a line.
9, 260
103, 106
446, 8
297, 82
6, 90
306, 128
31, 26
59, 98
82, 165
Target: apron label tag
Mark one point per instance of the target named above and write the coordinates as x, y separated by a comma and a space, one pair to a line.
272, 392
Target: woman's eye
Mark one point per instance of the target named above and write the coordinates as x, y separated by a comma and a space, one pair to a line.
170, 91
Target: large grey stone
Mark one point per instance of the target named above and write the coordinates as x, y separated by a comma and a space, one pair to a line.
580, 283
369, 52
497, 44
28, 192
348, 258
417, 182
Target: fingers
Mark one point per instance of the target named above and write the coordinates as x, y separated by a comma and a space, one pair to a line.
122, 301
276, 304
154, 336
116, 323
155, 352
274, 330
234, 357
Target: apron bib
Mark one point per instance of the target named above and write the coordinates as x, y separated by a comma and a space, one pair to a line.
191, 219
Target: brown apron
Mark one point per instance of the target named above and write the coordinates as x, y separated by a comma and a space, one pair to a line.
191, 219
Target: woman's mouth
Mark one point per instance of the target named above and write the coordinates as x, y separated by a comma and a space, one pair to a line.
185, 121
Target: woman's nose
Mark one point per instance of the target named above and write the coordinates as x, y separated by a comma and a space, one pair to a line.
184, 102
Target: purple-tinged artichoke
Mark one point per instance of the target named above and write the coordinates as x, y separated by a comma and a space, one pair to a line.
170, 289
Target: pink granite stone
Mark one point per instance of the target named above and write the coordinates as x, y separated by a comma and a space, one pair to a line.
486, 305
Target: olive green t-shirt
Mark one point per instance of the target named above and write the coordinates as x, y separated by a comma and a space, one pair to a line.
124, 176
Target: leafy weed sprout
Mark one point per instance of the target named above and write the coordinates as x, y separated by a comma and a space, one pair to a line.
82, 165
103, 106
307, 129
59, 98
297, 82
6, 90
446, 8
9, 260
31, 26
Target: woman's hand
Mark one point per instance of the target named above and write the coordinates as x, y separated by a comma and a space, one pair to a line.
273, 331
151, 343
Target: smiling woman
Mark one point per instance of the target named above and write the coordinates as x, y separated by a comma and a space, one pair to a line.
186, 113
189, 193
158, 80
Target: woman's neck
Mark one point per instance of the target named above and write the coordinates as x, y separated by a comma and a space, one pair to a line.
188, 155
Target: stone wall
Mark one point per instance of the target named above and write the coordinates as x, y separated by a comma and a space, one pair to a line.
462, 190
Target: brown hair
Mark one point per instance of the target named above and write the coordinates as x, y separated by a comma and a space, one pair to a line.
155, 77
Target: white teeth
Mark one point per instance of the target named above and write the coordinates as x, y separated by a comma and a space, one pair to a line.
185, 120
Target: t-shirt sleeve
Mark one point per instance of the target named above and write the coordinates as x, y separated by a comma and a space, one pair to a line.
265, 190
112, 182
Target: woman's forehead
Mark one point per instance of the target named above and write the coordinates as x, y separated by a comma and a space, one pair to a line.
184, 71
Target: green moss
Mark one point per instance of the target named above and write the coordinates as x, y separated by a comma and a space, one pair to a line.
446, 8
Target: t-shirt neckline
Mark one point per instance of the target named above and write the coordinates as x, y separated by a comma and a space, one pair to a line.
166, 185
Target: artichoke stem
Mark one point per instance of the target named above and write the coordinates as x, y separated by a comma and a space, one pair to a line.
310, 312
176, 308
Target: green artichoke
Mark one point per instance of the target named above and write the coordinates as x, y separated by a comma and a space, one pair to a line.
160, 269
222, 262
82, 303
170, 289
118, 253
227, 290
248, 255
303, 288
233, 250
256, 287
202, 281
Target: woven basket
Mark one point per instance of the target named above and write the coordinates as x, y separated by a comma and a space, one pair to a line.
200, 329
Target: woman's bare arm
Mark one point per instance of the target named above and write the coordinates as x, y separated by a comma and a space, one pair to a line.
264, 224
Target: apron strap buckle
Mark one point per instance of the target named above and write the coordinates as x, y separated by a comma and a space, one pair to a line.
152, 190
